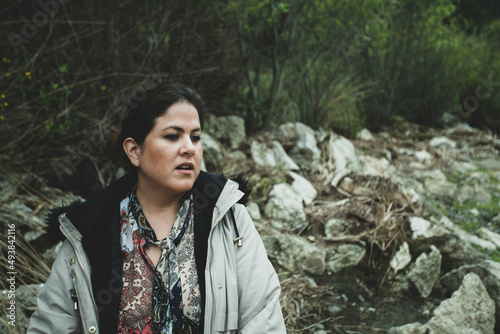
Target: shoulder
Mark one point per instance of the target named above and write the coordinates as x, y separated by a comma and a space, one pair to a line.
97, 208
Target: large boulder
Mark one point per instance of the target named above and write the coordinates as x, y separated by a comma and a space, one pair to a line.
285, 204
303, 188
230, 130
274, 156
340, 154
470, 310
344, 256
295, 253
488, 271
305, 151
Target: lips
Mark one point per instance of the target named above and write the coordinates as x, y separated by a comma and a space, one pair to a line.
185, 166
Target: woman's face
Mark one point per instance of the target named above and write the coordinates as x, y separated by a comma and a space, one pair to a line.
170, 157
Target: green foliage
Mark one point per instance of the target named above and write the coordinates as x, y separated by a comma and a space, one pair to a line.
341, 65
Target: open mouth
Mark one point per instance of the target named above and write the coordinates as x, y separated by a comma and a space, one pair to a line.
185, 166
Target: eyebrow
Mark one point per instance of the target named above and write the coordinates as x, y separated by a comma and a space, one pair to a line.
178, 128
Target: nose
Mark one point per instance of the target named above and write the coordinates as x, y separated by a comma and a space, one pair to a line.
187, 146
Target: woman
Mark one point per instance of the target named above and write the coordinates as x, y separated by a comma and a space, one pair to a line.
167, 248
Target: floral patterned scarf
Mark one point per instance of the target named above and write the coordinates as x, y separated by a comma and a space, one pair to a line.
165, 298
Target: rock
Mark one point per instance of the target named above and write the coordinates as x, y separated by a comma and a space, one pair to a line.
462, 167
340, 153
464, 236
230, 130
344, 256
294, 252
237, 155
424, 229
272, 157
292, 130
335, 227
435, 182
479, 177
443, 142
284, 204
488, 271
475, 212
434, 174
402, 257
406, 151
365, 134
334, 309
490, 163
424, 157
475, 194
489, 235
441, 188
212, 151
413, 328
254, 211
425, 273
378, 167
305, 151
303, 188
469, 311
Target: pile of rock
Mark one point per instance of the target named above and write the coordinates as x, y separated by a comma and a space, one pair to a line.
338, 202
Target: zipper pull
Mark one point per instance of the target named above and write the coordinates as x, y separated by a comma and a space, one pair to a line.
238, 240
75, 300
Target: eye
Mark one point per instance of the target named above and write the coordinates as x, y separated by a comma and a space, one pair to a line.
196, 138
171, 136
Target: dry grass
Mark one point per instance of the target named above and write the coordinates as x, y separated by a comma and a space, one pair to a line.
305, 305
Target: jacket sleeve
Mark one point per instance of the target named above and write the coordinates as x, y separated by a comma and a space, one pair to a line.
258, 285
55, 309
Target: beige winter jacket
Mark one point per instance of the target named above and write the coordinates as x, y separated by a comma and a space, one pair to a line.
242, 288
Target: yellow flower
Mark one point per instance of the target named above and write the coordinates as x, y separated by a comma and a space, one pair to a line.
5, 60
3, 96
6, 104
28, 74
2, 117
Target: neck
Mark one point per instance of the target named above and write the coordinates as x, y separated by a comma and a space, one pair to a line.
159, 207
155, 200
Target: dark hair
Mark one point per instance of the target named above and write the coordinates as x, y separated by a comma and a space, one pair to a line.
144, 108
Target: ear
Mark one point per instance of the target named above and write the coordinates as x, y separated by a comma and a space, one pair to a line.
133, 151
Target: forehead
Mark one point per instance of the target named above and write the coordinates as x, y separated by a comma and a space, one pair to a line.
181, 114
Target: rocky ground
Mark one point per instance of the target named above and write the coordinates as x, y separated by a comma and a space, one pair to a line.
393, 231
